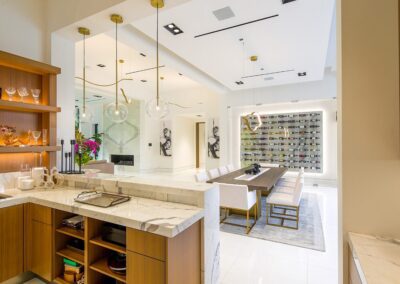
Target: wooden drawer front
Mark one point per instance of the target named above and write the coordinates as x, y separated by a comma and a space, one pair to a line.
41, 214
354, 277
144, 270
146, 244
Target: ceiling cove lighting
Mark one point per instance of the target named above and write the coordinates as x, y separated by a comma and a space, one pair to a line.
157, 108
173, 29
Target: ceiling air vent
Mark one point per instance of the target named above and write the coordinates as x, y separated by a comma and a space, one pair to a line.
224, 13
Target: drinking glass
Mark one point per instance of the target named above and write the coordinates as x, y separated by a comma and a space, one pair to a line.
36, 135
25, 170
44, 137
10, 93
35, 95
23, 92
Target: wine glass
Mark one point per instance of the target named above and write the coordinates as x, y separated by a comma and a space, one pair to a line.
23, 92
35, 95
36, 135
10, 93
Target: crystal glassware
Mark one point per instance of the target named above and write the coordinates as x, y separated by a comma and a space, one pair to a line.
36, 136
10, 93
35, 95
23, 92
44, 137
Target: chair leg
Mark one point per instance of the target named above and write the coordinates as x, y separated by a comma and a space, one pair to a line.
247, 221
255, 212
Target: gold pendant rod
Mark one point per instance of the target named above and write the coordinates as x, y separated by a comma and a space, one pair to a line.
104, 85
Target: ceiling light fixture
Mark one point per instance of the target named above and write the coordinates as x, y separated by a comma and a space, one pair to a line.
173, 29
302, 74
157, 108
85, 116
116, 111
101, 65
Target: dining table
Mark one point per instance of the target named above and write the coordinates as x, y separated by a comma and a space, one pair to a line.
263, 182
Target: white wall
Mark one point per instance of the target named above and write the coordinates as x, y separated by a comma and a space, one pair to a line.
184, 143
23, 28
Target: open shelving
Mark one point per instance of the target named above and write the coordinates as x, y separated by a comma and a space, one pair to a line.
101, 267
17, 72
79, 234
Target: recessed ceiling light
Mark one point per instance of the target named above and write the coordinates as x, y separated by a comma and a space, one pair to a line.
239, 82
199, 115
287, 1
302, 74
173, 29
180, 74
101, 65
97, 96
142, 54
144, 81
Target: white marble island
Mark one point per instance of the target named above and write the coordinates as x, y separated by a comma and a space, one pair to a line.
157, 206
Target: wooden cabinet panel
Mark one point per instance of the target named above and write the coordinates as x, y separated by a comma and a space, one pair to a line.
146, 243
41, 250
11, 241
41, 214
144, 270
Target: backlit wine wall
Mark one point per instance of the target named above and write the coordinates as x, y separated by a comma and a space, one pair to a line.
292, 140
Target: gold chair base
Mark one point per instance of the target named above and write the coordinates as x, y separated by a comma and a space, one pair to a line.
282, 217
248, 226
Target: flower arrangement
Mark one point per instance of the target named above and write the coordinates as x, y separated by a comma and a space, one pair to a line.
88, 147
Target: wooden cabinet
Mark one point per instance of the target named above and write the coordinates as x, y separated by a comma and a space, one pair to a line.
157, 260
11, 242
39, 241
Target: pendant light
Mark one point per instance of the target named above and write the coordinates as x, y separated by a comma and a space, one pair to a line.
117, 112
157, 108
253, 115
85, 116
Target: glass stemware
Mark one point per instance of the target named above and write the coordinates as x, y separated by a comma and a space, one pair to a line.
36, 136
35, 95
10, 93
23, 92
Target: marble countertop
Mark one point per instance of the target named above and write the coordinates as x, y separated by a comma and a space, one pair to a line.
378, 259
159, 217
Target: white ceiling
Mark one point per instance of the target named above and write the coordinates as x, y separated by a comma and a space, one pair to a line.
297, 39
100, 49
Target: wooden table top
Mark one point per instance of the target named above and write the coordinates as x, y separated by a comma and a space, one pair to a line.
265, 181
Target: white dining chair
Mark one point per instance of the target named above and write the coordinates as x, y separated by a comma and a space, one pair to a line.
230, 168
223, 170
235, 196
213, 173
201, 177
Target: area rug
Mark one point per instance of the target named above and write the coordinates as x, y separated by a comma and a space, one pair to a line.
310, 234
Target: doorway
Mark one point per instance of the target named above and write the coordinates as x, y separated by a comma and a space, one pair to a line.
200, 145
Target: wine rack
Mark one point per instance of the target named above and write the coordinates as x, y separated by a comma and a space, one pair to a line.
292, 140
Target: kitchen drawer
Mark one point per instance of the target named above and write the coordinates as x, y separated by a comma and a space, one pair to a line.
145, 243
41, 214
144, 270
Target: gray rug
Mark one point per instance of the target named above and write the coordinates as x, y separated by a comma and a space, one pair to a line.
310, 234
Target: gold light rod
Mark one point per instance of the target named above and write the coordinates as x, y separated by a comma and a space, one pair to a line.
85, 32
104, 85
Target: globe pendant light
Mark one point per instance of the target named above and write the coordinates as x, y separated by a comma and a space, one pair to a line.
85, 116
157, 108
117, 112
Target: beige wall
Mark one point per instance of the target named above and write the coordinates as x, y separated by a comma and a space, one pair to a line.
370, 118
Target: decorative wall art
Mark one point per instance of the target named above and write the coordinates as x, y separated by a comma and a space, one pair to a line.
213, 138
292, 140
166, 139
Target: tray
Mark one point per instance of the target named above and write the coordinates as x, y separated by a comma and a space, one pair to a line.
101, 199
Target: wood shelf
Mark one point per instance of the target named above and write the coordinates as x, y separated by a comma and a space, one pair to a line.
99, 242
79, 234
29, 149
72, 255
102, 267
25, 107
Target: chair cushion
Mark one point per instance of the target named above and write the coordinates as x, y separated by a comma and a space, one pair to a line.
287, 196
